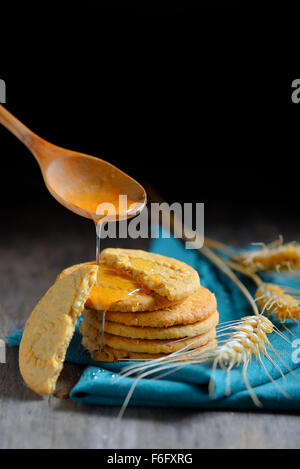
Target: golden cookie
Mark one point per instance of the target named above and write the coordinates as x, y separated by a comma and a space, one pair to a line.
196, 307
108, 295
94, 319
50, 327
111, 355
165, 276
144, 346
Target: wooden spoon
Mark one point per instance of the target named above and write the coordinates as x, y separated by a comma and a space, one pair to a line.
82, 183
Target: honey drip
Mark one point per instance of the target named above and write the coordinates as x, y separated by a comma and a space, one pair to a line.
99, 226
111, 287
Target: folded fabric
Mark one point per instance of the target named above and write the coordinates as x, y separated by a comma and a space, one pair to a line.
101, 383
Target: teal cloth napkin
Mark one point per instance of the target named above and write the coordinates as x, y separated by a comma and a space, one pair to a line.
101, 383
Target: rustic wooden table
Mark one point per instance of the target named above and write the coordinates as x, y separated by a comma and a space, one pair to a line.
33, 250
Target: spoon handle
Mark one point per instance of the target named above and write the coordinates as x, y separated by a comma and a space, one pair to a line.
16, 127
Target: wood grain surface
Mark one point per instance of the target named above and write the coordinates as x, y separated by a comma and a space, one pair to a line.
32, 252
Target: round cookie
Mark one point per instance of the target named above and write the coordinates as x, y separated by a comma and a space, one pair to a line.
109, 354
174, 332
196, 307
166, 276
50, 327
145, 346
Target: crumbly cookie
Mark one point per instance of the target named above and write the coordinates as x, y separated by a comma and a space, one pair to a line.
144, 346
142, 299
111, 355
166, 276
50, 327
196, 307
94, 319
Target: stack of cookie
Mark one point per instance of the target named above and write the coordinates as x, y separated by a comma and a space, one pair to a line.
167, 309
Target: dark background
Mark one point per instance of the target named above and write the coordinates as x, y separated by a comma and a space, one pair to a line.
194, 101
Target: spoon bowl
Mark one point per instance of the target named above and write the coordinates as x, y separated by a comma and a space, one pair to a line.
86, 185
94, 188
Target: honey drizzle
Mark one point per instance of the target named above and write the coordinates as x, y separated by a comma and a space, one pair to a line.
135, 290
102, 332
99, 226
